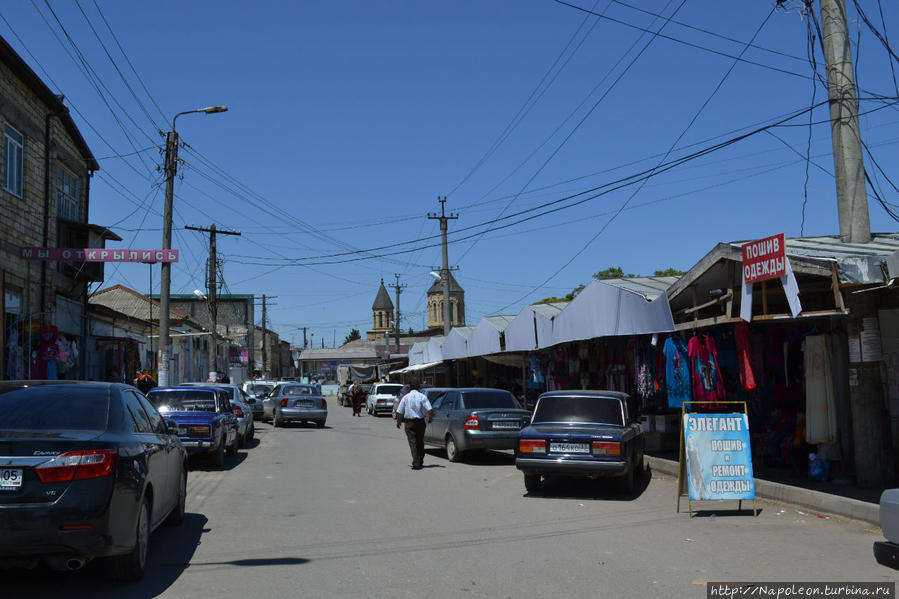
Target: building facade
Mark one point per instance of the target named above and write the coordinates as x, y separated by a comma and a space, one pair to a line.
435, 304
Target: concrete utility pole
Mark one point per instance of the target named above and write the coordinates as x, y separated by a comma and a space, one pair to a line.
165, 282
870, 426
212, 302
304, 338
264, 341
396, 325
445, 271
849, 168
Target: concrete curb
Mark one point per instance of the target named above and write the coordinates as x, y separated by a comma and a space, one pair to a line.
816, 501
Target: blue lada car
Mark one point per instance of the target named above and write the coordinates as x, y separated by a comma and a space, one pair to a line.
206, 423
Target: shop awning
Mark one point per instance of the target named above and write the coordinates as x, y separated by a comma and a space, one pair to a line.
533, 327
487, 336
416, 368
455, 345
603, 310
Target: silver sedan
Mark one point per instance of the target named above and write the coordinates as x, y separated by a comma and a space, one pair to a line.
296, 402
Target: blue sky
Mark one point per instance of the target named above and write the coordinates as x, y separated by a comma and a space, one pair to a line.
347, 121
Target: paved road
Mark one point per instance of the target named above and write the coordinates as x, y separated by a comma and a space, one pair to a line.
337, 512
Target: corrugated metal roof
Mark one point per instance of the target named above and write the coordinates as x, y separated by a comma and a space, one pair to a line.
549, 309
648, 287
856, 262
339, 353
131, 303
500, 322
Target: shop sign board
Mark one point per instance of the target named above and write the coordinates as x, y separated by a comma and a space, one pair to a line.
764, 259
97, 255
718, 456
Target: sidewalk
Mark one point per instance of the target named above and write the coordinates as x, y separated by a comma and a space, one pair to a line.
848, 501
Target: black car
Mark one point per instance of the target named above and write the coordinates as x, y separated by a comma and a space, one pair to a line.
581, 434
87, 470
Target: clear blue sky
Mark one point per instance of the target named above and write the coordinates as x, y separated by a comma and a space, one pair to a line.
348, 119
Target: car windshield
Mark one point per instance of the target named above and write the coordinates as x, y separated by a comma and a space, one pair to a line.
389, 389
599, 410
299, 390
183, 401
260, 389
480, 400
433, 394
53, 407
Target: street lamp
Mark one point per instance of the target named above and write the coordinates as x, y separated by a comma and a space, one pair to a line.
171, 169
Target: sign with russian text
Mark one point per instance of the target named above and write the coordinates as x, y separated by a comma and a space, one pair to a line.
764, 259
718, 456
98, 255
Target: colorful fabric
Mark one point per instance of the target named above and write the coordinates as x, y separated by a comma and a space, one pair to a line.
705, 373
744, 361
677, 371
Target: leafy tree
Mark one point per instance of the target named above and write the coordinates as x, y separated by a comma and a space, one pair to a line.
354, 334
670, 272
612, 272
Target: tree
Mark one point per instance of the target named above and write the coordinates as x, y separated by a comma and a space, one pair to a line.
411, 332
670, 272
612, 272
354, 334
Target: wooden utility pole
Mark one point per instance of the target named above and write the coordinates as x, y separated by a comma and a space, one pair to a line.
396, 325
211, 300
445, 271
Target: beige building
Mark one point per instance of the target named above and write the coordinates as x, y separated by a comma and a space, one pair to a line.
435, 304
381, 314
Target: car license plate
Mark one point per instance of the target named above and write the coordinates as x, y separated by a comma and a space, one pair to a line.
506, 424
305, 403
569, 448
10, 478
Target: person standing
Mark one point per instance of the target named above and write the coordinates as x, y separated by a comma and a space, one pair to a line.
413, 409
356, 396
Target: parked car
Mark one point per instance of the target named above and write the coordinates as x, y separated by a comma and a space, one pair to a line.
259, 389
242, 405
382, 397
581, 434
206, 424
89, 471
475, 419
297, 402
887, 552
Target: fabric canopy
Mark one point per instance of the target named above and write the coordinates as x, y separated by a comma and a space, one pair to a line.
533, 327
416, 367
603, 310
455, 345
485, 339
423, 352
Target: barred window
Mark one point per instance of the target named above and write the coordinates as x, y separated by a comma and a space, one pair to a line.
13, 161
67, 195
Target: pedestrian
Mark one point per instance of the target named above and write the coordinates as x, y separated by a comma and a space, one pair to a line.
413, 409
318, 387
356, 396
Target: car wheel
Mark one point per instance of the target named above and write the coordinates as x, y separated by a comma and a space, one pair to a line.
218, 458
452, 452
131, 567
176, 517
626, 482
532, 482
320, 424
241, 441
252, 434
275, 422
369, 410
232, 449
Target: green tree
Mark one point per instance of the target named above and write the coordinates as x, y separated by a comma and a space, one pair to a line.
354, 334
612, 272
670, 272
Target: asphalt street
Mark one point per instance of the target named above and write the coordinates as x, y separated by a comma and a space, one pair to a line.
338, 512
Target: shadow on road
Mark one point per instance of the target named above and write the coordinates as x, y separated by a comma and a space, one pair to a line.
476, 457
168, 546
605, 489
204, 464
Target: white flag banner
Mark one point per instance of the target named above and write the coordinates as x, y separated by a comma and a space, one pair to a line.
746, 302
791, 289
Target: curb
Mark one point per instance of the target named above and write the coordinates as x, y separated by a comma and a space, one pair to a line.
813, 500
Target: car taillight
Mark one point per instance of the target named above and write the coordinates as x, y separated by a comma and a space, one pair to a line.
324, 403
202, 431
284, 402
77, 465
606, 448
472, 424
237, 411
531, 446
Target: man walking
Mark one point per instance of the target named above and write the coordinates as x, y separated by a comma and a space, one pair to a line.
413, 409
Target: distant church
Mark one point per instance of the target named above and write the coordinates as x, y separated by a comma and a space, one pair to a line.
383, 310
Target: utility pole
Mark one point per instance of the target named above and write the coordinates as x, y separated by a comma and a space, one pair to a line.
212, 302
849, 168
396, 325
445, 271
870, 430
304, 338
264, 341
165, 279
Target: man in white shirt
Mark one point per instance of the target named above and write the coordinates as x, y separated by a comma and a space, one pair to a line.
413, 409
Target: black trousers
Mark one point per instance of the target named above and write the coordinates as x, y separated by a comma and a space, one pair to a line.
415, 433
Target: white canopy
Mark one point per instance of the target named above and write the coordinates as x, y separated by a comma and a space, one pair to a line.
533, 327
603, 310
485, 339
435, 349
418, 354
416, 367
455, 345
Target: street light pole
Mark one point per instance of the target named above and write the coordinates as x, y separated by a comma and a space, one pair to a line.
171, 169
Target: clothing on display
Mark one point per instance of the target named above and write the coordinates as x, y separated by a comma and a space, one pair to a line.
820, 400
744, 361
705, 373
677, 371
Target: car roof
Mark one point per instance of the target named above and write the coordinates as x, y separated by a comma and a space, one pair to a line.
470, 389
203, 387
587, 393
19, 384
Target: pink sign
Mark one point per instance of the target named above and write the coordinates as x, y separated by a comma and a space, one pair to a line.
764, 259
98, 255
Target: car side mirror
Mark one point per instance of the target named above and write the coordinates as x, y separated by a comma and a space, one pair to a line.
171, 425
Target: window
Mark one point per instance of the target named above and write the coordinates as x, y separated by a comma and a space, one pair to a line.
13, 161
140, 420
68, 189
156, 423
